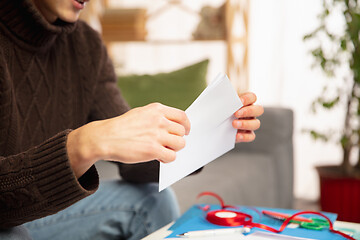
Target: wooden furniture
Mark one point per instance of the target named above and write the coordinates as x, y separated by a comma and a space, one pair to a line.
129, 25
238, 66
123, 25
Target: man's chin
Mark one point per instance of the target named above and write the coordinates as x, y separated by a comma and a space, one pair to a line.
70, 18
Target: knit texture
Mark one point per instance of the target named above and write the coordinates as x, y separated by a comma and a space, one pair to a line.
53, 78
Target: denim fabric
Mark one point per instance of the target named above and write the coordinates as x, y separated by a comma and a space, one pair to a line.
15, 233
118, 210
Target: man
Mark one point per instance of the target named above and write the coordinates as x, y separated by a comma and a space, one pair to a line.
60, 112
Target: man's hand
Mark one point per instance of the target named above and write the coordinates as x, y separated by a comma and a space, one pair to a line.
151, 132
246, 121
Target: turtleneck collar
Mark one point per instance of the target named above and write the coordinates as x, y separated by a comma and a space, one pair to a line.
28, 26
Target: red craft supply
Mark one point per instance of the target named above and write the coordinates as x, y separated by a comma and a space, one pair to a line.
228, 218
232, 218
283, 216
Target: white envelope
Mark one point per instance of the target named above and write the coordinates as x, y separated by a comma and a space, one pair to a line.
211, 134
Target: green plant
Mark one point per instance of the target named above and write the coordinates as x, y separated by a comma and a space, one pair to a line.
334, 53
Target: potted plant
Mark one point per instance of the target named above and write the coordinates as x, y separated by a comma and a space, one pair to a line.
340, 185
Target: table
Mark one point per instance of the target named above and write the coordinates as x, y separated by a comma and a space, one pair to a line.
163, 232
159, 234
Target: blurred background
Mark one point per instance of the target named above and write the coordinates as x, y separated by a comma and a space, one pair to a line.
258, 43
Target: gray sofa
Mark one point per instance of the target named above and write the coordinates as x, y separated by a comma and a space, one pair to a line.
258, 173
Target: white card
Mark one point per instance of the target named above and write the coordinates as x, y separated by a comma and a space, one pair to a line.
211, 134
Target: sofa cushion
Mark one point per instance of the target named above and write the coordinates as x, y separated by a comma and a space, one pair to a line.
176, 89
239, 178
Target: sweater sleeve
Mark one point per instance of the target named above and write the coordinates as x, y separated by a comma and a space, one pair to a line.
107, 99
40, 182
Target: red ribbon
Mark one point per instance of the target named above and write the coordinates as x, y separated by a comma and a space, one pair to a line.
232, 218
217, 197
229, 218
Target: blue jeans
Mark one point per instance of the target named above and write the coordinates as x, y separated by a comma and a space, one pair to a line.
118, 210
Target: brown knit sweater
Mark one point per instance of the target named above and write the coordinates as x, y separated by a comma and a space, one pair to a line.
53, 78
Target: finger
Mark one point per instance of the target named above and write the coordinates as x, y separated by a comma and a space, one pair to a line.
247, 98
175, 128
173, 142
167, 155
178, 116
247, 124
249, 111
245, 136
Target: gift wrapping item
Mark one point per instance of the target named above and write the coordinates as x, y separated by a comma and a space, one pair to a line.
226, 216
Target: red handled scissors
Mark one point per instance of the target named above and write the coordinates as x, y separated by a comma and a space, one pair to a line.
309, 223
